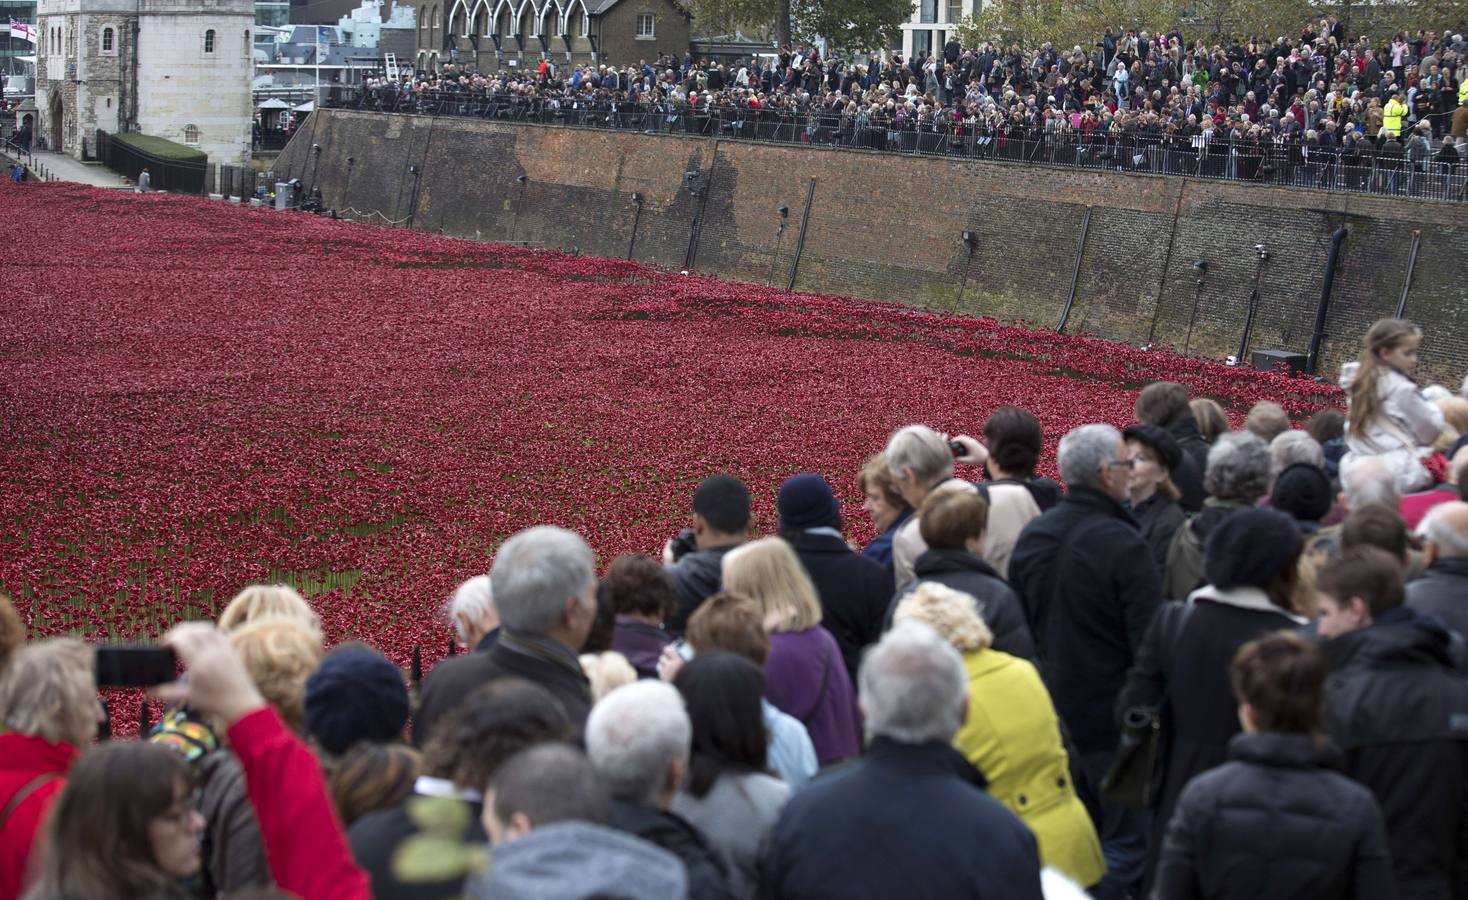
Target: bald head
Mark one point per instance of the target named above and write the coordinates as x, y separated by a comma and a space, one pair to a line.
1367, 481
1445, 529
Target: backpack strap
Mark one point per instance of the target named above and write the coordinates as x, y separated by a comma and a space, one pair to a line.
20, 796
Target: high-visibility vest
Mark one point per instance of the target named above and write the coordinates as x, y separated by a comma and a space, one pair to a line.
1463, 91
1391, 116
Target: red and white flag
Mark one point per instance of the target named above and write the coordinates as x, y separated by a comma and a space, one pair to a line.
22, 30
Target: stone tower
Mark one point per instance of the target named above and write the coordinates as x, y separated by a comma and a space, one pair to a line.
175, 69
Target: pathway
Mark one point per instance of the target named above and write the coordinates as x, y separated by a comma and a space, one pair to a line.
60, 167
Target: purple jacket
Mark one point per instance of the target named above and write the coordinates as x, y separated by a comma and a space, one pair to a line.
806, 678
641, 643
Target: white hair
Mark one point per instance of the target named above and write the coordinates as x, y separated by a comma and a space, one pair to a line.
1436, 529
1295, 446
1083, 451
470, 601
1238, 467
920, 452
913, 686
634, 734
536, 572
1369, 480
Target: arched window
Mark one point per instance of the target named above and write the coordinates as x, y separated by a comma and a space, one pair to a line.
436, 22
108, 40
191, 135
422, 18
209, 41
249, 50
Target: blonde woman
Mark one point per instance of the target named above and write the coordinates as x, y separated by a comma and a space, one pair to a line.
804, 673
267, 601
1012, 735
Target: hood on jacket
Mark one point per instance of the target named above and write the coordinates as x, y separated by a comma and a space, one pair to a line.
935, 561
577, 861
1400, 634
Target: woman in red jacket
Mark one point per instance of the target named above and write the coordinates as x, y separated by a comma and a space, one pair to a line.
48, 711
304, 840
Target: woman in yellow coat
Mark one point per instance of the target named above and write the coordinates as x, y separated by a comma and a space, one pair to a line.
1012, 735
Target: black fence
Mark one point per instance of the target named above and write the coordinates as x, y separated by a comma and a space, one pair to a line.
1362, 171
182, 176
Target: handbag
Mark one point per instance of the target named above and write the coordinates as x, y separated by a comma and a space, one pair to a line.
1132, 777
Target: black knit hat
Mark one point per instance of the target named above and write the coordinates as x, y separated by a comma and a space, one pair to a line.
1303, 491
1161, 443
1250, 548
355, 695
806, 501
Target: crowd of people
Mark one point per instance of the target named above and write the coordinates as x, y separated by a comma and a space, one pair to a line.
1214, 663
1322, 108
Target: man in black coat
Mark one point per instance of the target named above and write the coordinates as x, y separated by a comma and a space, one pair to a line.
1165, 403
720, 523
544, 587
638, 740
1089, 587
1399, 708
1442, 591
910, 818
854, 590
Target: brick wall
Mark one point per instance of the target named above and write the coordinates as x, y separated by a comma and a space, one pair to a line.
888, 227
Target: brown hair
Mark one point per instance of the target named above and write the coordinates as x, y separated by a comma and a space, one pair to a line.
98, 841
1376, 525
1366, 572
1211, 419
493, 723
1383, 336
1326, 425
1160, 402
1268, 420
1282, 676
875, 473
635, 585
1014, 440
948, 520
372, 777
732, 622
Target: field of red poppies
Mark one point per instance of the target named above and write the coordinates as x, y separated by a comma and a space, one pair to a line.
197, 396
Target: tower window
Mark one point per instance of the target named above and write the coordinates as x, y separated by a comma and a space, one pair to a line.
108, 40
209, 41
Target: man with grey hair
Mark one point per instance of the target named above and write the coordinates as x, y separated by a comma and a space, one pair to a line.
638, 739
1295, 446
1239, 473
543, 582
1443, 588
1368, 480
911, 796
471, 614
1090, 586
921, 464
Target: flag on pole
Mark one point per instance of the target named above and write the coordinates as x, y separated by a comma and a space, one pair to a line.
23, 31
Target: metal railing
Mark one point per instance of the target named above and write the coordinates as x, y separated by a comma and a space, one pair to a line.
1292, 164
183, 176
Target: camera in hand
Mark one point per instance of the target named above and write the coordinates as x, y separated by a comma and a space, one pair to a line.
686, 542
957, 448
135, 665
